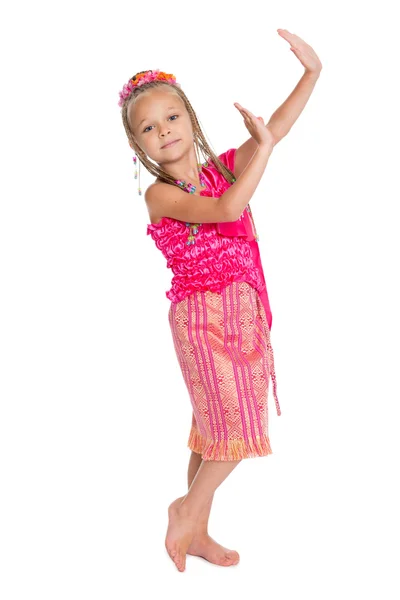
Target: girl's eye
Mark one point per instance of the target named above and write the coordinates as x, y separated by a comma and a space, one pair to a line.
144, 131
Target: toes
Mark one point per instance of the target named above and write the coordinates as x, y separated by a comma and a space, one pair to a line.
177, 556
180, 561
232, 557
173, 554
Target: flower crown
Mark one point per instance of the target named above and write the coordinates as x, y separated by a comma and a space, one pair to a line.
141, 79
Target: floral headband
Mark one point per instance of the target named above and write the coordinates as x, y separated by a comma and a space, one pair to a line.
141, 79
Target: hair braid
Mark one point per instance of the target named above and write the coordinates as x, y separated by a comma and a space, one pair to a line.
199, 138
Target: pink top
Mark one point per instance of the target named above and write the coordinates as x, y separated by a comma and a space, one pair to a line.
221, 253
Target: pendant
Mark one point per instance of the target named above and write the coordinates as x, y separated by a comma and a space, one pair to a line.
190, 188
194, 230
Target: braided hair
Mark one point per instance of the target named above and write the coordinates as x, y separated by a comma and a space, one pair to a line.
199, 138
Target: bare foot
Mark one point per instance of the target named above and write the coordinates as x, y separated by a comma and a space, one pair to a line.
206, 547
180, 533
203, 545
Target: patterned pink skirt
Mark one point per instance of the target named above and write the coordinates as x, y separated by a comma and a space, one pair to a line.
222, 342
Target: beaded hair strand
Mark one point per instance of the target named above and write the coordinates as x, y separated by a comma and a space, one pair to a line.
147, 81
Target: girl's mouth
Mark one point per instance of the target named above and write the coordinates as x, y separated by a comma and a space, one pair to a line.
170, 144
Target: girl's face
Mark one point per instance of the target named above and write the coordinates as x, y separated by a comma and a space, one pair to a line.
158, 117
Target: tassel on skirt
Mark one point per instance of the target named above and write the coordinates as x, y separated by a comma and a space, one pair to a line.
222, 342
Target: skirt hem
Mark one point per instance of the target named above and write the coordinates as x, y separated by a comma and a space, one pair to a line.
228, 449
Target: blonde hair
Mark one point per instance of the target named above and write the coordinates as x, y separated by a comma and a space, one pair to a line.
199, 139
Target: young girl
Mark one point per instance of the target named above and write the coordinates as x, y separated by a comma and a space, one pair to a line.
219, 315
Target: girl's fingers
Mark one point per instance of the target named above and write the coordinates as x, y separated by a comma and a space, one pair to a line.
249, 113
241, 108
245, 112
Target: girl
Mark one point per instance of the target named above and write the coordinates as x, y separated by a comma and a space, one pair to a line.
219, 315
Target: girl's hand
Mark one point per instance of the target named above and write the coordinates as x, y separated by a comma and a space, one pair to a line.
256, 127
303, 51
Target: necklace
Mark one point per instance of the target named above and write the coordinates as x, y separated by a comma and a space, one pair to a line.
194, 227
190, 188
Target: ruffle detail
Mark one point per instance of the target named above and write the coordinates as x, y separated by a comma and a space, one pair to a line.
212, 263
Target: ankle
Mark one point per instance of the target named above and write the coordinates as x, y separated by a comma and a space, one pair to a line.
186, 511
201, 532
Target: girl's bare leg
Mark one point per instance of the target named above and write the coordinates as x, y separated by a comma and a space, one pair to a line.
184, 518
208, 478
203, 544
194, 464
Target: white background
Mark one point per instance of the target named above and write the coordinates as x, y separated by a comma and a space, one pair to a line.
95, 415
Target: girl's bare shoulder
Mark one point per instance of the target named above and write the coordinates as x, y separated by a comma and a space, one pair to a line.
151, 202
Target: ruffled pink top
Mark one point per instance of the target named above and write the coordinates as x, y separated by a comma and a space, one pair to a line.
222, 252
